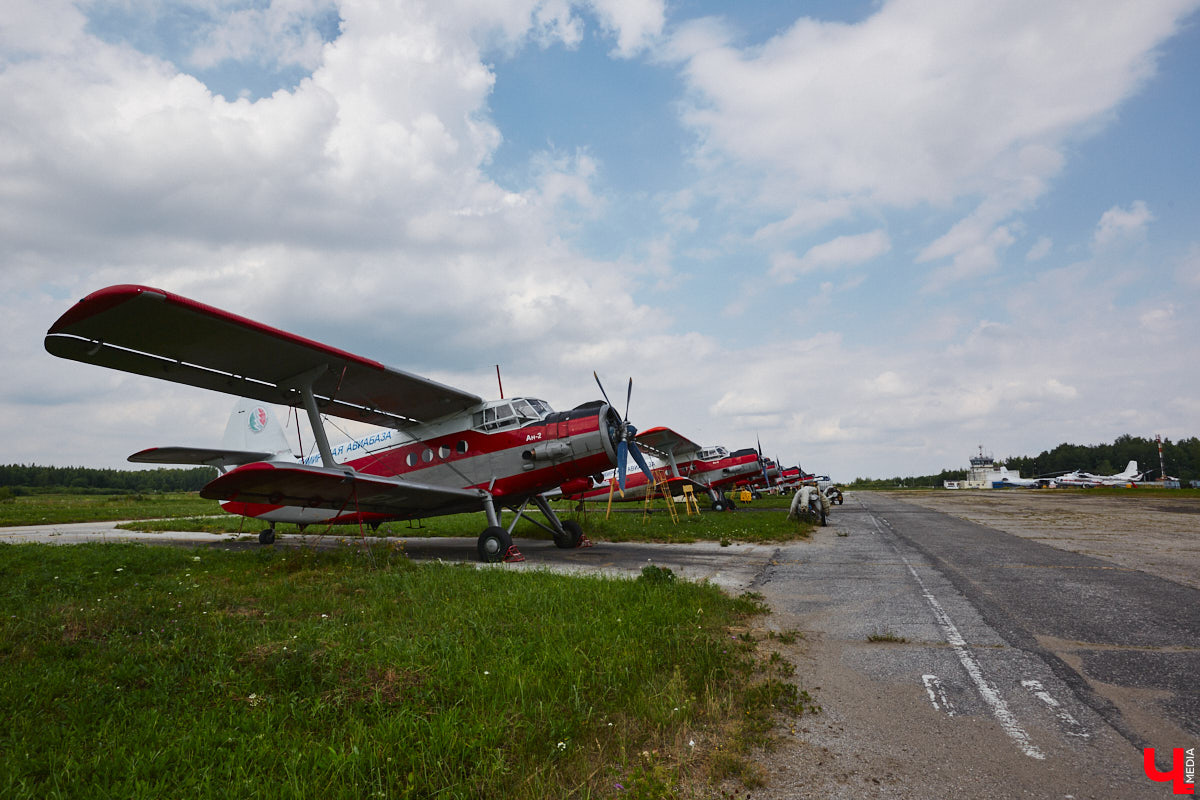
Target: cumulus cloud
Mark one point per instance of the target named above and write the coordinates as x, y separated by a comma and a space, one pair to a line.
354, 206
1040, 249
921, 103
844, 251
636, 23
1122, 224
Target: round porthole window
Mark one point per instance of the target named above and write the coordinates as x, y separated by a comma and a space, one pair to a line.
412, 459
443, 452
462, 446
427, 456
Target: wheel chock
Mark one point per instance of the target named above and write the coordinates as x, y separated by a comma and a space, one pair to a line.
512, 555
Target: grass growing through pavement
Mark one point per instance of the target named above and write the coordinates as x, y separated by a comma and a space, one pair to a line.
139, 672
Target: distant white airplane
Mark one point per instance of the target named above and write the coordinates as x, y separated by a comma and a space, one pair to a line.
1087, 480
1005, 479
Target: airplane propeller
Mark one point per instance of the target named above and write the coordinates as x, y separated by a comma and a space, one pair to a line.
762, 463
626, 445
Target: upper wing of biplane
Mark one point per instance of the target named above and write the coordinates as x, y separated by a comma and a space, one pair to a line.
151, 332
282, 484
667, 442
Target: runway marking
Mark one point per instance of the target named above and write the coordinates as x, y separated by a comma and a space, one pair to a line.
989, 694
1074, 728
937, 694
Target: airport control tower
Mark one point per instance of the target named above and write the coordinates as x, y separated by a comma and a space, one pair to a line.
981, 468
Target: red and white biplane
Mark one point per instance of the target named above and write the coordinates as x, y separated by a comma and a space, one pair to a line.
709, 469
436, 450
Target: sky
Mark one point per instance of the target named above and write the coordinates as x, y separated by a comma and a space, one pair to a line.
874, 236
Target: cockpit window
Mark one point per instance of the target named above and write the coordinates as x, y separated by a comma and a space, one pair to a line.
540, 406
524, 410
507, 413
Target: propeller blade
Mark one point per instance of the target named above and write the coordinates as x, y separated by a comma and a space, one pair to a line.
622, 459
641, 461
628, 395
601, 385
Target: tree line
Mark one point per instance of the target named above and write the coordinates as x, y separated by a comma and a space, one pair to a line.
1182, 461
22, 478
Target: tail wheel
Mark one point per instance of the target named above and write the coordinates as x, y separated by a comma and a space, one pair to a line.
571, 535
718, 505
266, 536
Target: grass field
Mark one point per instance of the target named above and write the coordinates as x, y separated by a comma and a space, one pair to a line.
144, 672
48, 509
627, 522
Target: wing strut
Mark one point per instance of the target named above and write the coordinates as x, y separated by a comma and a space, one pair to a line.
303, 383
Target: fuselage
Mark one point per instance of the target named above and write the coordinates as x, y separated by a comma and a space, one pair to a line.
512, 448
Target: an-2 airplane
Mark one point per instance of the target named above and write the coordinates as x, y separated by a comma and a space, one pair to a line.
710, 469
437, 450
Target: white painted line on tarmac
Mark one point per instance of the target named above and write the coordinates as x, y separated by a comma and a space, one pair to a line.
1074, 728
937, 694
990, 696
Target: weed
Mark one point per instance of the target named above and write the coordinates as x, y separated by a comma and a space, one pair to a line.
886, 635
653, 574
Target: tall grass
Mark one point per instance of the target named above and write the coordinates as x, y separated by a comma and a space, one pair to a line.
137, 672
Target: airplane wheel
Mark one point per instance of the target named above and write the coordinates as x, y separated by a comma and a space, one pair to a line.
718, 505
493, 544
571, 535
267, 536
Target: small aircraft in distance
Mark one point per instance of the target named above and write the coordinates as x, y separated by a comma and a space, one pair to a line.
1087, 480
767, 477
710, 469
790, 477
1003, 479
435, 450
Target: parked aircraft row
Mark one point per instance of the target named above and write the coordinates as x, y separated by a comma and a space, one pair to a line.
1003, 479
434, 449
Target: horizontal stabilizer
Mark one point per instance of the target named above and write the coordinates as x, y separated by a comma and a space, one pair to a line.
204, 456
282, 484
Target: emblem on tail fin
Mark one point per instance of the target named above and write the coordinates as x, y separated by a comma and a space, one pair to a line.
258, 419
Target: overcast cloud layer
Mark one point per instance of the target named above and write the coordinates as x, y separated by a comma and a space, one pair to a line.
874, 243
